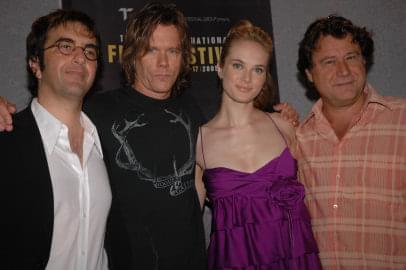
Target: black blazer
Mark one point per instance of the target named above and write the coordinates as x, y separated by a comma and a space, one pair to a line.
26, 200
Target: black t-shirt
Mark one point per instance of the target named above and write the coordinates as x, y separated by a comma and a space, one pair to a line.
149, 146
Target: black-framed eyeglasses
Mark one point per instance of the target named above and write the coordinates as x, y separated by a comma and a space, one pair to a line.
67, 47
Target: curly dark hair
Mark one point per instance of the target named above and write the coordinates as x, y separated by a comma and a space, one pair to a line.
38, 35
140, 27
245, 30
338, 27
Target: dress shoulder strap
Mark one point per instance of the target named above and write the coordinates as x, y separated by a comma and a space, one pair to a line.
280, 132
201, 144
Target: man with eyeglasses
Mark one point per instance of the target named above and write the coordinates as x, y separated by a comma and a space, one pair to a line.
54, 189
67, 46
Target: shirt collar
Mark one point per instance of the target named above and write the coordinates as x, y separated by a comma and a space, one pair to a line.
372, 98
90, 129
50, 127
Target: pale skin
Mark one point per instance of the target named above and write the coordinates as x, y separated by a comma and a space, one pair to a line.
339, 76
66, 79
240, 136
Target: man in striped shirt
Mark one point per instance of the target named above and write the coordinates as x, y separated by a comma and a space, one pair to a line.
353, 147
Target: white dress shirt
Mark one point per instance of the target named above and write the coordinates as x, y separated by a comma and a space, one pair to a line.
81, 194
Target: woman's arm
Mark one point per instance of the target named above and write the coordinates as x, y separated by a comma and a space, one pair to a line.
201, 191
289, 132
199, 184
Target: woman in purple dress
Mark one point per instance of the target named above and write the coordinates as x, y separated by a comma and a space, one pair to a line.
246, 167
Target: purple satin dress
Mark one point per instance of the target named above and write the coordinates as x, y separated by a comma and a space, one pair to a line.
259, 219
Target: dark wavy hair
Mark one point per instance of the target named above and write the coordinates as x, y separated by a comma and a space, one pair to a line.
140, 27
338, 27
245, 30
39, 33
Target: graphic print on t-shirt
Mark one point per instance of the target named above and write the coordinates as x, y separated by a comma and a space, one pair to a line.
126, 158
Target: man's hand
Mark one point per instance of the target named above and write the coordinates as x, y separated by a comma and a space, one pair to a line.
6, 109
288, 113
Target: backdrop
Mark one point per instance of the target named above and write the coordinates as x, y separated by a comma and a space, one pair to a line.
209, 22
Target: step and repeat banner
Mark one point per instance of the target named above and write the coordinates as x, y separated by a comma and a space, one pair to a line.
209, 22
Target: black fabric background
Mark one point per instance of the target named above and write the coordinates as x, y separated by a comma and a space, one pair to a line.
207, 19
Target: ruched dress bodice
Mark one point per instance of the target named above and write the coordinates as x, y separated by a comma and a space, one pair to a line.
259, 218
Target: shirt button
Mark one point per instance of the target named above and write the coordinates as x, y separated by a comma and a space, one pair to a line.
335, 206
337, 177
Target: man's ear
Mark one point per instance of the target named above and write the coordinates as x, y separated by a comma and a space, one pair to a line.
309, 75
35, 68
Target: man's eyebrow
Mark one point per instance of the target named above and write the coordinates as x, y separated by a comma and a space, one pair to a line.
64, 39
94, 45
353, 52
326, 58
